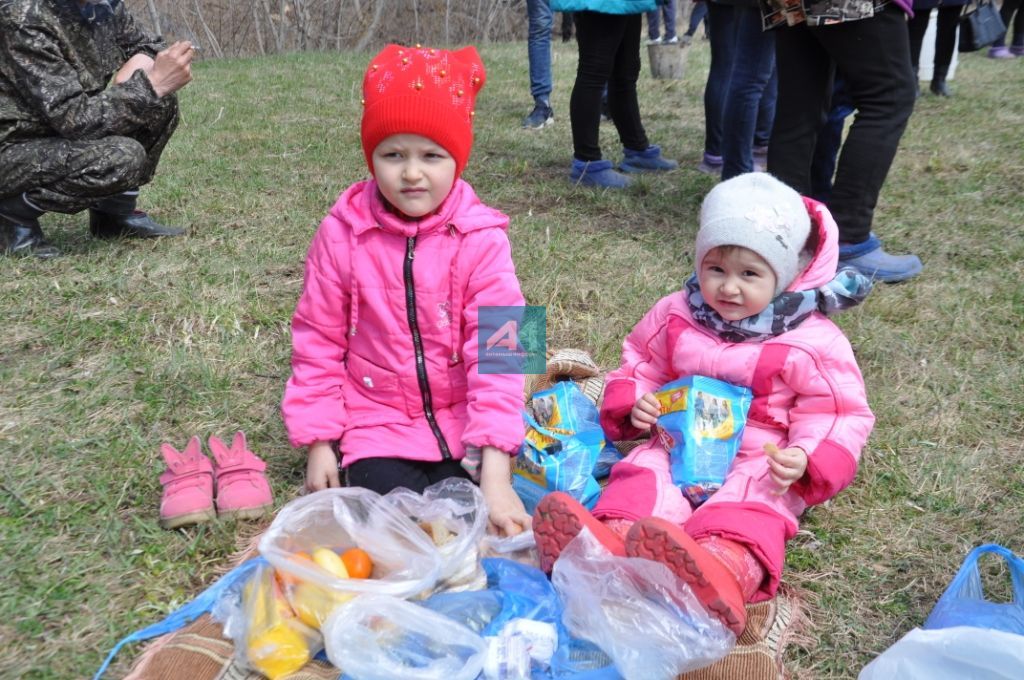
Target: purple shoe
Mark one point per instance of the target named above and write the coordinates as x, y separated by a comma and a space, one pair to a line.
1000, 52
710, 165
1017, 50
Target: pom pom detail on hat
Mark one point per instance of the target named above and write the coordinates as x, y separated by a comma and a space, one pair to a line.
760, 213
427, 92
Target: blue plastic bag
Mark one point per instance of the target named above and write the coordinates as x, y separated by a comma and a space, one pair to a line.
563, 445
701, 426
964, 603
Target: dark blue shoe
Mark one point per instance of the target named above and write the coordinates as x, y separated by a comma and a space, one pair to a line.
541, 116
871, 260
648, 160
597, 174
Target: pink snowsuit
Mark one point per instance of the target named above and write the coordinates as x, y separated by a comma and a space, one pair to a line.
380, 293
807, 392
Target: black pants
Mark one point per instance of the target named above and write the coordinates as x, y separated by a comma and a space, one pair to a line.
385, 474
609, 52
874, 57
67, 176
945, 38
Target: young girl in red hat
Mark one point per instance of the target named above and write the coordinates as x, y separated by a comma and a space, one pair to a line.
386, 388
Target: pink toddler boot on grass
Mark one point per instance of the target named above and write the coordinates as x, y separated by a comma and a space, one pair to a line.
712, 582
242, 488
558, 519
188, 486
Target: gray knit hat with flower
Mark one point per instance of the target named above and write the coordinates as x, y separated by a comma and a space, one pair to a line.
761, 213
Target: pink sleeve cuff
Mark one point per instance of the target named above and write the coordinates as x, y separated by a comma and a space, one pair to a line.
619, 399
830, 469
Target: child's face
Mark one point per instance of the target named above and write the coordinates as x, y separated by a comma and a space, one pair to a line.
736, 282
414, 174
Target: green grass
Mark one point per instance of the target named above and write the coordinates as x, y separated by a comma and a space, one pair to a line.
120, 346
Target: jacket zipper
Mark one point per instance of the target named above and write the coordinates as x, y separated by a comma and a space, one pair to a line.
417, 343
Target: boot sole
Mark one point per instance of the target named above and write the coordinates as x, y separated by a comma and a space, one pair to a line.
660, 541
558, 519
186, 519
246, 513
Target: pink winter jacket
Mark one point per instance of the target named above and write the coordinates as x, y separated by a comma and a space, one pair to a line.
355, 375
808, 391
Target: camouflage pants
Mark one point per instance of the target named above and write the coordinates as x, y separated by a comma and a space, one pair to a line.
67, 176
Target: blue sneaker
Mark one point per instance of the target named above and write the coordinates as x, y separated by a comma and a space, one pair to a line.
710, 165
648, 160
597, 174
541, 116
871, 260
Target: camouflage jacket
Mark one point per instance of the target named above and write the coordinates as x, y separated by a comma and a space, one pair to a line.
55, 69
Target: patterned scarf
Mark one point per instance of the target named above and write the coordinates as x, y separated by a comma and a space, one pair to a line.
97, 11
784, 313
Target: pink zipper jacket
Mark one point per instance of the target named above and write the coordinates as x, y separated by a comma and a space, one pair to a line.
384, 336
807, 392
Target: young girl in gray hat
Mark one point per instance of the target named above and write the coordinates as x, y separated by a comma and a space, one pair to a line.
755, 315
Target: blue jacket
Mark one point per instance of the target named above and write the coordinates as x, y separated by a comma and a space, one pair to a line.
605, 6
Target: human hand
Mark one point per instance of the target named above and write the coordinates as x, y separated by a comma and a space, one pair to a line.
321, 467
645, 412
172, 69
505, 509
785, 465
138, 62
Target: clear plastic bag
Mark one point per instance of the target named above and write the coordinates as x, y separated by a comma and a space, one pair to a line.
964, 604
405, 561
646, 619
956, 653
454, 515
519, 548
376, 637
269, 637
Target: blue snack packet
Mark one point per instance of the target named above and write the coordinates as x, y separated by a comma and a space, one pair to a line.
701, 425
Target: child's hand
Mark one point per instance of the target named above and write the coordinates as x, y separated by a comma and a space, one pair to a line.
507, 513
645, 412
505, 509
785, 465
321, 467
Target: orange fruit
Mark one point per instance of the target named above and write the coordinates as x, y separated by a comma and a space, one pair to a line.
357, 562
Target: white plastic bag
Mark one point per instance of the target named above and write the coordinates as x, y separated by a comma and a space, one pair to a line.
520, 548
641, 614
405, 560
955, 653
454, 515
376, 637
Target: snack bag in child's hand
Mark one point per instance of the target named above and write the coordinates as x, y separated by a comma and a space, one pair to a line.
701, 426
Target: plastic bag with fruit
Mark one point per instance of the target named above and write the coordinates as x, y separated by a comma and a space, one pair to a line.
454, 515
269, 636
335, 544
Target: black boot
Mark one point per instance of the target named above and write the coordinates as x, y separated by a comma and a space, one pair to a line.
116, 216
938, 86
20, 233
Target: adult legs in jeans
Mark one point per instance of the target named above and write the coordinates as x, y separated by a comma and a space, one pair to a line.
753, 62
699, 13
668, 12
720, 30
882, 90
766, 109
538, 50
609, 52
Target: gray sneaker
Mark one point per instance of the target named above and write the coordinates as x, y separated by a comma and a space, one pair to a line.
541, 116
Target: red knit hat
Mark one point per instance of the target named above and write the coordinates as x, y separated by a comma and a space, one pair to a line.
422, 91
